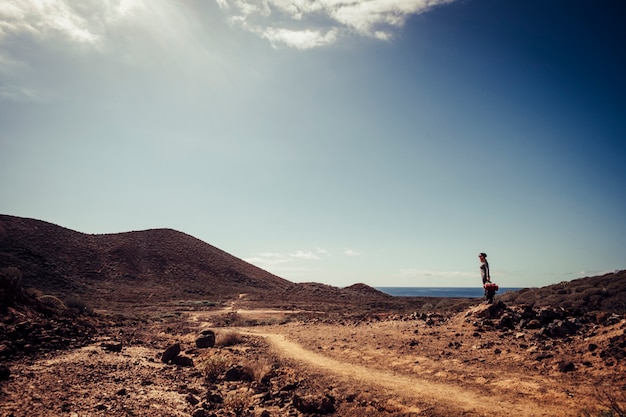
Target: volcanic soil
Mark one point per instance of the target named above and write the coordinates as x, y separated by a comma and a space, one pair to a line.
486, 360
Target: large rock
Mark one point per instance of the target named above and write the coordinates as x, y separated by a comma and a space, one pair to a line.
314, 404
170, 353
206, 339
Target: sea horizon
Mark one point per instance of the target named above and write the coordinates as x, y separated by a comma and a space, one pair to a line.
451, 292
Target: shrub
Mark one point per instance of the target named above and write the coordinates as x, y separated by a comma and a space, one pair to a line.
239, 402
612, 406
52, 302
228, 339
214, 367
10, 285
75, 301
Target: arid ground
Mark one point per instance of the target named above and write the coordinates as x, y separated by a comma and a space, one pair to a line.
265, 362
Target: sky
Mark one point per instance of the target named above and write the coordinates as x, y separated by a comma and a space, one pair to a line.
384, 142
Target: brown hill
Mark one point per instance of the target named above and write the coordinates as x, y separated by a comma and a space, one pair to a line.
157, 266
144, 267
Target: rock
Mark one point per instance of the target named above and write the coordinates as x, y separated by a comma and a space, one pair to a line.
314, 404
170, 353
506, 322
530, 324
566, 366
237, 373
5, 373
192, 399
206, 340
561, 328
548, 315
5, 350
112, 346
182, 361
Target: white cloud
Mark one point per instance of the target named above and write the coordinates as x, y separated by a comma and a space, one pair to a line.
351, 252
424, 273
300, 254
307, 24
293, 265
299, 39
78, 22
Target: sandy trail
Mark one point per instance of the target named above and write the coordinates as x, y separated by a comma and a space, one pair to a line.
423, 393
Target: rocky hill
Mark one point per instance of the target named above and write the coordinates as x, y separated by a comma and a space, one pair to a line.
158, 266
151, 266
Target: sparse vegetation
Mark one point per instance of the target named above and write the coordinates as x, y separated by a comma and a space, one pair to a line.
10, 285
52, 302
612, 404
229, 338
239, 402
76, 302
213, 367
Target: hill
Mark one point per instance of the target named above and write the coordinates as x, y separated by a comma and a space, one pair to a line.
153, 267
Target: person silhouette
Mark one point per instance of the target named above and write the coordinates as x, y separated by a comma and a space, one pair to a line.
485, 275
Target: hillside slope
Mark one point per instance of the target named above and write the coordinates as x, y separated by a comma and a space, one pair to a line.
151, 266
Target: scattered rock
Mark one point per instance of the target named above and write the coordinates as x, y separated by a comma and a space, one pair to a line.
314, 404
206, 340
111, 346
182, 361
566, 366
170, 353
5, 372
237, 373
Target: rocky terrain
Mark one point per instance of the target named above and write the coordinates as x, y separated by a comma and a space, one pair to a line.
313, 350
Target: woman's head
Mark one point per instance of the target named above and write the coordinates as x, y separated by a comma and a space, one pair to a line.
482, 256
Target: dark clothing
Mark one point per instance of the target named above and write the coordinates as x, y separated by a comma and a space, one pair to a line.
484, 272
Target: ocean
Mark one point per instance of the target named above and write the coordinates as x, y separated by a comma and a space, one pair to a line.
453, 292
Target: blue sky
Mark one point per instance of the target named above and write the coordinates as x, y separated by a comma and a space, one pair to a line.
383, 142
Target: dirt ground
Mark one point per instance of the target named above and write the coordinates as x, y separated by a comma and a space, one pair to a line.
294, 363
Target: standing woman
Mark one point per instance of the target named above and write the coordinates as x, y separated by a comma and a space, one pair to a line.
484, 272
484, 268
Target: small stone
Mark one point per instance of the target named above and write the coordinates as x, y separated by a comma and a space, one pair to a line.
5, 373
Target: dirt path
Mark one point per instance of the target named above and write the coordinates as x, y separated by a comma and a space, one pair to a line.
424, 393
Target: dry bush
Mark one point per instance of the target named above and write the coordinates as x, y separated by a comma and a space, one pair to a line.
612, 406
75, 301
10, 285
239, 402
258, 369
228, 339
52, 302
213, 367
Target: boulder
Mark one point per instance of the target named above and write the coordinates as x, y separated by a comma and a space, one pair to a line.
311, 404
237, 373
206, 339
170, 353
182, 361
112, 346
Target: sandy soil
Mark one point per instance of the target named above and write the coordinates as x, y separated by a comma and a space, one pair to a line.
381, 366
